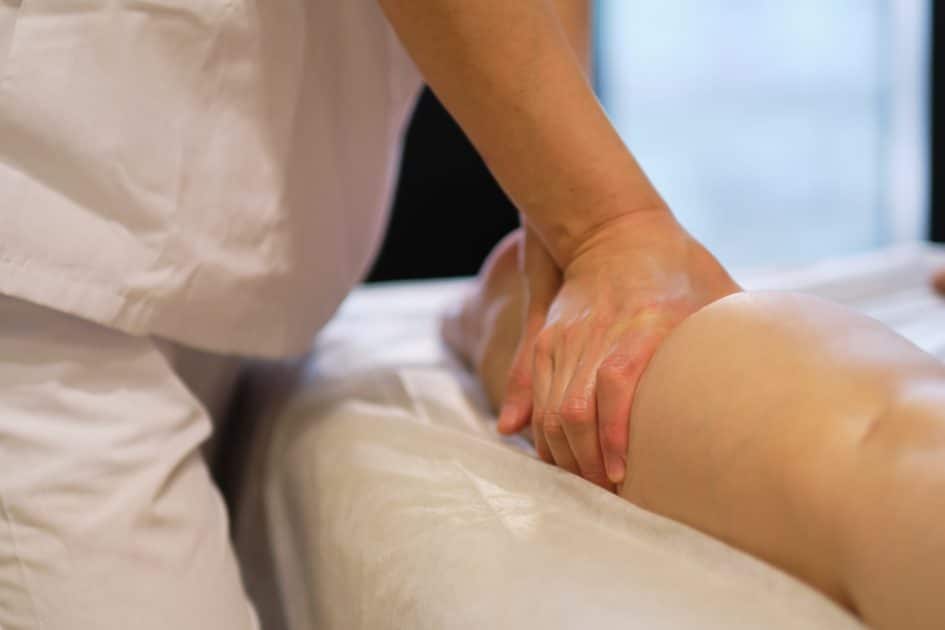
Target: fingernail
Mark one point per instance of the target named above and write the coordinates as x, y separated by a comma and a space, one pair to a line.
616, 468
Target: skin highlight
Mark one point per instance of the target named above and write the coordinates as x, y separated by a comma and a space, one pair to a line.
515, 76
787, 426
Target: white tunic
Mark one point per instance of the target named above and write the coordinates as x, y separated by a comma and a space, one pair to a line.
212, 171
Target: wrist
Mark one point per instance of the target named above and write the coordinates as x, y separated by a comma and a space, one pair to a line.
585, 237
655, 246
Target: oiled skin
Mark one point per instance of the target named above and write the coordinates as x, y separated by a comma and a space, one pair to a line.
787, 426
809, 436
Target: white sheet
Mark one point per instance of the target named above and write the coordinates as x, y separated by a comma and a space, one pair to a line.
390, 502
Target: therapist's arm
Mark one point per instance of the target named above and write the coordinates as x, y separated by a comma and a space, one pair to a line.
509, 74
542, 280
576, 20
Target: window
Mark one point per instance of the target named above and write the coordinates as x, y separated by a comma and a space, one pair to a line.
779, 132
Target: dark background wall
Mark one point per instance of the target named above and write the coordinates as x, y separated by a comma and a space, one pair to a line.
448, 211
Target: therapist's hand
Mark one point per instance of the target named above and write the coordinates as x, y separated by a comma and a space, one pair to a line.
542, 281
623, 291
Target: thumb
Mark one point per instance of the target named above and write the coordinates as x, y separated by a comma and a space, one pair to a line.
542, 280
517, 405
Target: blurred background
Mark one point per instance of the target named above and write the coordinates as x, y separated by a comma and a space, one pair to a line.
778, 132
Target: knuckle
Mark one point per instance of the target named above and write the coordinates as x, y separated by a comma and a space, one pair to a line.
545, 341
617, 367
552, 427
534, 324
519, 377
543, 347
577, 411
599, 327
572, 333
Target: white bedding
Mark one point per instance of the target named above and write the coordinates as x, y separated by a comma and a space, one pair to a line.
390, 503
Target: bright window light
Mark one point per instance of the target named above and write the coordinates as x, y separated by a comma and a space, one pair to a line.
779, 132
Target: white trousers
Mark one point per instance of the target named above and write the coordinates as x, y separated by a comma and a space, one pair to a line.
108, 517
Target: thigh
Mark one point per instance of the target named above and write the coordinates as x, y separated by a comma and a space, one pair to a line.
108, 517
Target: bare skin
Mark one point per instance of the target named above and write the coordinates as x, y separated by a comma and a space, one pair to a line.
798, 431
939, 281
515, 77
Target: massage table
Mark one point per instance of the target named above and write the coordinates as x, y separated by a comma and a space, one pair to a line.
380, 497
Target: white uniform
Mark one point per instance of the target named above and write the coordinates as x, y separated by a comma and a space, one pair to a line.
214, 172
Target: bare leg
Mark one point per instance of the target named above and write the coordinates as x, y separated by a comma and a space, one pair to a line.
484, 330
809, 436
791, 428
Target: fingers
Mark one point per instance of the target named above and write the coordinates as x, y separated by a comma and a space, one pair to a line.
564, 406
617, 379
542, 368
579, 415
542, 280
517, 406
564, 379
557, 434
583, 389
557, 441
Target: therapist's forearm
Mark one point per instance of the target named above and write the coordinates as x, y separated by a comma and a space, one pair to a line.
576, 17
509, 74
